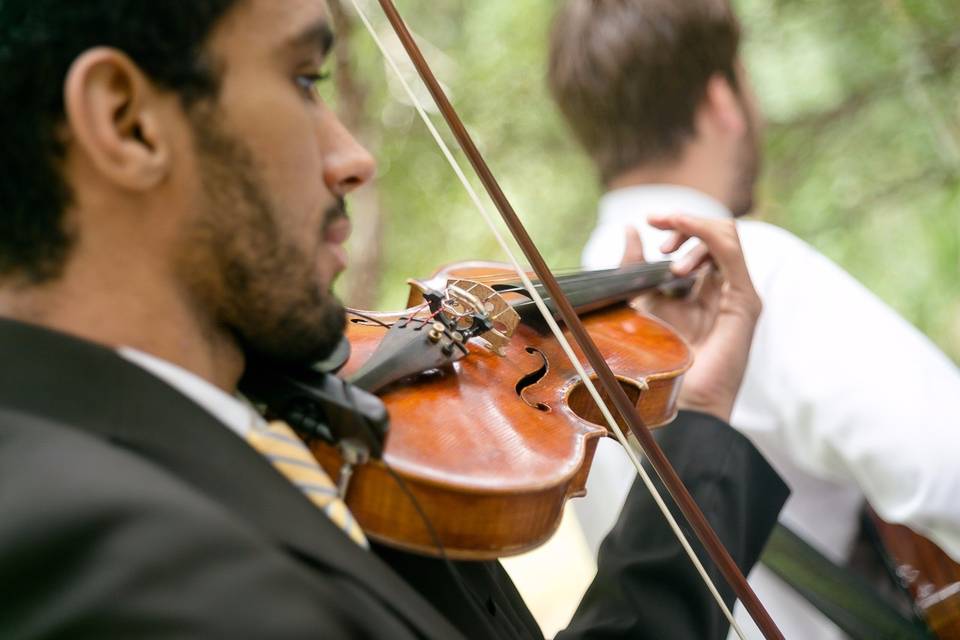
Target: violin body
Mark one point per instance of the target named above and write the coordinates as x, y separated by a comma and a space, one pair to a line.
494, 444
928, 574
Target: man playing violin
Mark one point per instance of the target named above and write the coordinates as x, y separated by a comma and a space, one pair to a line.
656, 93
172, 207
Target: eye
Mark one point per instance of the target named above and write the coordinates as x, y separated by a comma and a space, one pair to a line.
312, 83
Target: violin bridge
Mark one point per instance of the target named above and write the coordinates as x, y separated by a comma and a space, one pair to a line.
467, 297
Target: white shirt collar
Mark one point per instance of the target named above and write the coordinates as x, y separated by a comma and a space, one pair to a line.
630, 206
233, 412
621, 205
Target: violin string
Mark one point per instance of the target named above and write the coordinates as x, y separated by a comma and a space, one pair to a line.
569, 286
368, 318
551, 322
513, 289
411, 316
574, 286
573, 273
587, 281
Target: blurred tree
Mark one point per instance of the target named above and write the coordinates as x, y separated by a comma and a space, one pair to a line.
862, 100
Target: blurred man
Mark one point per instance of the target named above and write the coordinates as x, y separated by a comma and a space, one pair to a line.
841, 394
171, 204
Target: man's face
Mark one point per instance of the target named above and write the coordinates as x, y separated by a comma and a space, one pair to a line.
273, 164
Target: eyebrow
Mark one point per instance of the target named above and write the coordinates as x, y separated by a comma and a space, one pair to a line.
318, 36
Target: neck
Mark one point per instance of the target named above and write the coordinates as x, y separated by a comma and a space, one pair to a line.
115, 308
695, 171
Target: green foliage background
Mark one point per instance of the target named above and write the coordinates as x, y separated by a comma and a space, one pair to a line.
862, 100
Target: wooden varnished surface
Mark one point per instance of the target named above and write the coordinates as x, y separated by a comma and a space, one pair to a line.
477, 429
930, 576
490, 468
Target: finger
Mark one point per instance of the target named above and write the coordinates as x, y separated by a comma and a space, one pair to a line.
700, 289
633, 251
711, 288
673, 242
720, 238
664, 221
693, 260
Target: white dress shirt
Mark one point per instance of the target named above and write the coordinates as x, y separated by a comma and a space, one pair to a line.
843, 397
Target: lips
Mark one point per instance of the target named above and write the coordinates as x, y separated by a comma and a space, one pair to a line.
335, 233
337, 230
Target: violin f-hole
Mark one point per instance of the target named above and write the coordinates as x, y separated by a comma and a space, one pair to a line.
533, 378
581, 402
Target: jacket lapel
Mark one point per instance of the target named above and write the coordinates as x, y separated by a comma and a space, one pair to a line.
92, 388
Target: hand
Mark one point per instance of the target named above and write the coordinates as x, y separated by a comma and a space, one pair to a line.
719, 315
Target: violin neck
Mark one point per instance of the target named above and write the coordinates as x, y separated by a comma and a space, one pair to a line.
590, 290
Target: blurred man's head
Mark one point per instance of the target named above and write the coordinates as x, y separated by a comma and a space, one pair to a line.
650, 83
182, 144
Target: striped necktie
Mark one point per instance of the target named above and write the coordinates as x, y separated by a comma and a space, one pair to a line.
285, 451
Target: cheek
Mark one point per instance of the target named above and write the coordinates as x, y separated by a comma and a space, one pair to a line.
294, 162
184, 191
288, 166
280, 128
293, 171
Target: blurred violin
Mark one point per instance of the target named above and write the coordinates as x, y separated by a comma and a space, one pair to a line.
926, 573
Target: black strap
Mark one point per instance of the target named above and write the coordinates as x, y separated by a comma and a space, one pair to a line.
846, 599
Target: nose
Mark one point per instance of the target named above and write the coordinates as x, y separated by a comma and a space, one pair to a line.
347, 165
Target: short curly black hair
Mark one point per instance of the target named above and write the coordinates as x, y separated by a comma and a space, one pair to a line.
39, 40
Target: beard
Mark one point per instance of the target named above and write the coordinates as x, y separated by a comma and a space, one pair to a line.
241, 265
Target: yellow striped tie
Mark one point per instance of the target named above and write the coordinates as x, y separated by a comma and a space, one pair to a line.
291, 457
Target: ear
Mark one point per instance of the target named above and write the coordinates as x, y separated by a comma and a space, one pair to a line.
114, 115
722, 108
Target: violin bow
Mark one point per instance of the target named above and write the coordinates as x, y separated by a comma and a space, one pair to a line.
622, 403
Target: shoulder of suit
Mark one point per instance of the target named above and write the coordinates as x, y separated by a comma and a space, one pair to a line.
77, 474
118, 547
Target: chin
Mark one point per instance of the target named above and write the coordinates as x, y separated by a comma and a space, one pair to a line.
744, 198
296, 337
741, 209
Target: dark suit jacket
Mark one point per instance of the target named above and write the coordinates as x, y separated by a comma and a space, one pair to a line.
126, 511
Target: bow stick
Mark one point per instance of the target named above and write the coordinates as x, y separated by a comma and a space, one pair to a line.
621, 402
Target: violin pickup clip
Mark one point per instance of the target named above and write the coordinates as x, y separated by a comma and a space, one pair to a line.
319, 405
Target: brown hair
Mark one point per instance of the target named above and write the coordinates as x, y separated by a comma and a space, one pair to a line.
628, 75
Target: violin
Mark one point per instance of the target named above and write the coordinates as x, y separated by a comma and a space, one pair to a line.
923, 570
493, 442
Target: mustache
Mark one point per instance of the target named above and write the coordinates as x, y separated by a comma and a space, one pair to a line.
333, 213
